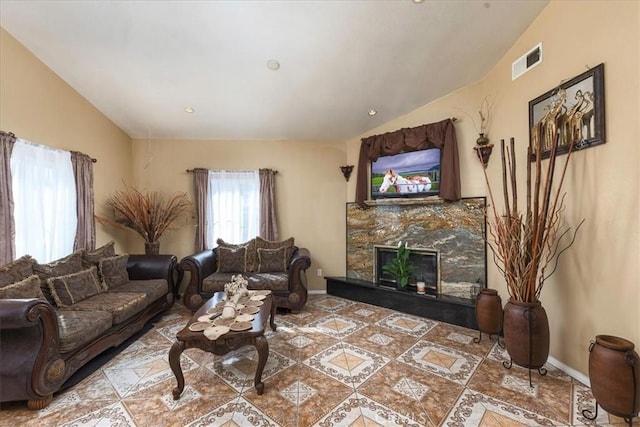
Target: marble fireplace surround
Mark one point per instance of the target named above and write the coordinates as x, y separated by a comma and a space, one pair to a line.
454, 229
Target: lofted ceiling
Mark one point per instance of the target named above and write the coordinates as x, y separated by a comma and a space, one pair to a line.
142, 62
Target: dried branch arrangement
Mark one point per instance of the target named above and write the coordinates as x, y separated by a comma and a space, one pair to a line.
149, 214
526, 246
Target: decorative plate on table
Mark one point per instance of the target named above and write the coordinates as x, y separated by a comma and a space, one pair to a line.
258, 297
250, 310
262, 292
254, 303
239, 306
223, 322
245, 317
205, 318
240, 326
214, 332
199, 326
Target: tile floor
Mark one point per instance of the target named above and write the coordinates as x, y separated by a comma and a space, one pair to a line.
337, 363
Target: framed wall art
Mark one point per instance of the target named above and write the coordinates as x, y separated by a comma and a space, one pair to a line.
572, 111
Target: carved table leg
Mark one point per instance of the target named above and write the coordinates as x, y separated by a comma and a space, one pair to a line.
174, 361
263, 353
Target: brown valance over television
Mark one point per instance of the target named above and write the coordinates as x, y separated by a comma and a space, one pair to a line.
441, 135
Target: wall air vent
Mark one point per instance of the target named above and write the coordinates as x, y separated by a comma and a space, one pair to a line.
526, 61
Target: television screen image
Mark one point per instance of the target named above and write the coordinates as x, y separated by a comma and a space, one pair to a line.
411, 174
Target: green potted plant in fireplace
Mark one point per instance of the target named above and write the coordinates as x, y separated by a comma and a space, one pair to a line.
400, 267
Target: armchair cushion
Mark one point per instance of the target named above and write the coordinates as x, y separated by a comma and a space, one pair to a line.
113, 271
27, 288
17, 270
250, 259
272, 260
231, 260
268, 244
72, 288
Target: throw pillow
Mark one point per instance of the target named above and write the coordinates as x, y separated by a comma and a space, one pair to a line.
91, 258
251, 256
72, 288
61, 267
16, 271
113, 271
27, 288
268, 244
231, 260
272, 260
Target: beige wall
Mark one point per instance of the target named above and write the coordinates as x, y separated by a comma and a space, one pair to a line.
35, 104
596, 289
310, 189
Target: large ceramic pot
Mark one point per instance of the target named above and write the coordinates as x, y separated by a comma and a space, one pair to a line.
489, 311
614, 372
526, 333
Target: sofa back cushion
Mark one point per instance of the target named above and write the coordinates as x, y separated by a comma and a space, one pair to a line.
16, 271
72, 288
269, 244
272, 260
27, 288
231, 260
113, 271
61, 267
250, 256
92, 258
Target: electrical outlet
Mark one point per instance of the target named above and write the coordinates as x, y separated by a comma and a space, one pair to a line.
319, 272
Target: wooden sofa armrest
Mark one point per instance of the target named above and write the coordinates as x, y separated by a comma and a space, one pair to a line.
300, 262
199, 265
30, 367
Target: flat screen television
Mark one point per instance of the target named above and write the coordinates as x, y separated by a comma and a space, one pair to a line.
409, 174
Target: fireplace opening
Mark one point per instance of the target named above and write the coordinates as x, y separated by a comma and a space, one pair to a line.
426, 267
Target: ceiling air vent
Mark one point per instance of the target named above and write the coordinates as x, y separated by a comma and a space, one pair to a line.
526, 62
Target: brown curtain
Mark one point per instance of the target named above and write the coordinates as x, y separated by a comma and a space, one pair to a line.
201, 182
441, 134
7, 226
86, 228
268, 217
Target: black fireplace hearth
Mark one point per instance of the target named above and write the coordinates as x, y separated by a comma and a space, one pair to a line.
444, 308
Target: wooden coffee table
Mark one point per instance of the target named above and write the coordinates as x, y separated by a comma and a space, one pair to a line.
227, 342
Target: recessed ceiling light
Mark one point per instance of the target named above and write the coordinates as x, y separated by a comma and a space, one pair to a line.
189, 110
372, 112
273, 64
418, 1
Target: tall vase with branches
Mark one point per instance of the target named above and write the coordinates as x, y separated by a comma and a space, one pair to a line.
527, 245
148, 213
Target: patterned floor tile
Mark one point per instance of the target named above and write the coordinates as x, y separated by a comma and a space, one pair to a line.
459, 338
476, 409
365, 312
407, 324
381, 340
347, 363
329, 303
446, 362
337, 326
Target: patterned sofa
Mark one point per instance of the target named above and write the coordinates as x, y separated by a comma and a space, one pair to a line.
278, 266
56, 317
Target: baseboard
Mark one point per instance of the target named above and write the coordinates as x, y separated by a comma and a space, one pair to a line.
320, 292
570, 371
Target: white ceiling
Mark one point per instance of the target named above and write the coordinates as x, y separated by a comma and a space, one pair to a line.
142, 62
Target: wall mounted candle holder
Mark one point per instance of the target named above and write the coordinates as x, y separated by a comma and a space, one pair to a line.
346, 171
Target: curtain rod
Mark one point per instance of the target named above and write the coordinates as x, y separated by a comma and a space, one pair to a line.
49, 148
191, 170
